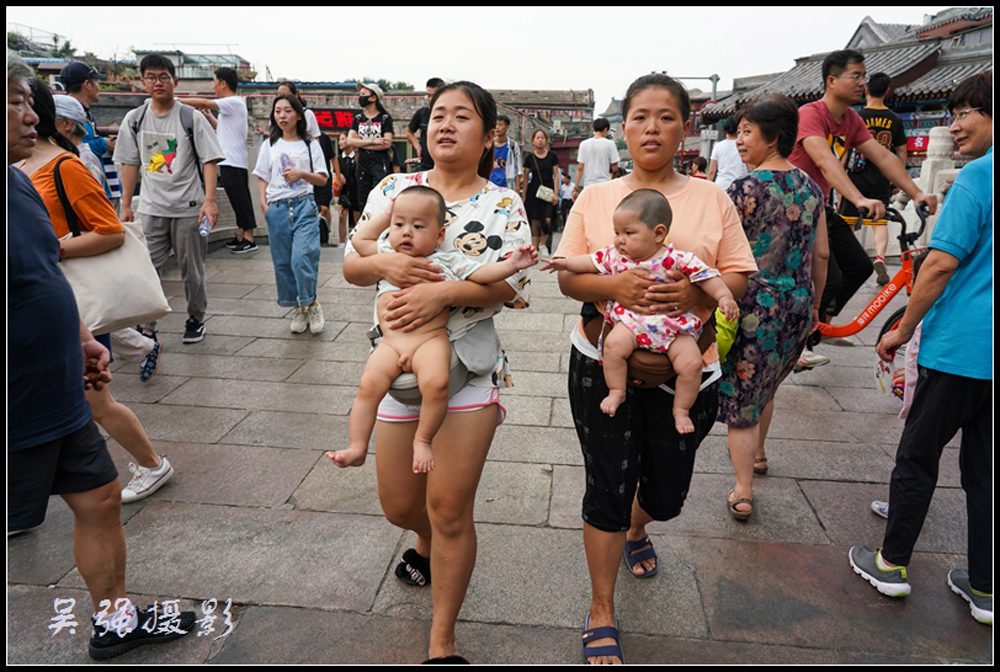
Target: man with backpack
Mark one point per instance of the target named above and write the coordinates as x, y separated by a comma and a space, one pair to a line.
177, 152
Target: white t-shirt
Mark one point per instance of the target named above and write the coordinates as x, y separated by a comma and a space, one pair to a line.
729, 165
232, 131
486, 227
272, 160
171, 186
312, 126
597, 156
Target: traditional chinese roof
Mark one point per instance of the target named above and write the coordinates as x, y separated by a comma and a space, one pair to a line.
941, 81
530, 98
956, 18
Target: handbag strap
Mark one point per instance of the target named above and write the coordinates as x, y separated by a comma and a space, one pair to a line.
71, 219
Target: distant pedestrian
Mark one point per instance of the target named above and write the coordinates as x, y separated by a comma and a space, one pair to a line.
177, 155
541, 171
725, 164
82, 81
507, 162
416, 131
597, 157
952, 294
371, 136
231, 130
290, 164
698, 167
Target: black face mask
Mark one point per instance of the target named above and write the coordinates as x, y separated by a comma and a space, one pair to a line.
363, 100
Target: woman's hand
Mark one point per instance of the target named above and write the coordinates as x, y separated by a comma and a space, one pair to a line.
405, 271
631, 289
673, 298
414, 306
293, 175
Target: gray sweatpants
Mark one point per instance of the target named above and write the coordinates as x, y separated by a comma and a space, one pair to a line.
190, 248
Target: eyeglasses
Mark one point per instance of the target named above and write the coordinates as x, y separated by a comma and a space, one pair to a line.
163, 79
856, 76
963, 114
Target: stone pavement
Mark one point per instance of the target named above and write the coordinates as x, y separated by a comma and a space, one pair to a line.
257, 515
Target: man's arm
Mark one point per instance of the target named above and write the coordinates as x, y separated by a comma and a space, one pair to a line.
833, 172
713, 166
129, 176
901, 153
895, 171
209, 207
200, 103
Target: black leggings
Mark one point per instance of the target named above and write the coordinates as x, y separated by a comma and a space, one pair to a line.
942, 404
638, 447
847, 270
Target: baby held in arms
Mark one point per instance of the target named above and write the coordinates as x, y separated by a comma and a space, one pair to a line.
416, 228
642, 222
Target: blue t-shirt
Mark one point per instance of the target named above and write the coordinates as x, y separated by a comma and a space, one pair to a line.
499, 174
45, 399
957, 332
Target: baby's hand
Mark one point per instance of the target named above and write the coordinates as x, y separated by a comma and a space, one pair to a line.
524, 256
554, 264
730, 309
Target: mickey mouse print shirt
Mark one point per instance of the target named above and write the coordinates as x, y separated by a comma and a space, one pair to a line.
485, 228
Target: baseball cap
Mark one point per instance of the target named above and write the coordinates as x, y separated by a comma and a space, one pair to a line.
70, 108
374, 88
78, 72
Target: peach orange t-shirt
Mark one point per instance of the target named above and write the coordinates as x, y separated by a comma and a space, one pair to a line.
705, 223
94, 211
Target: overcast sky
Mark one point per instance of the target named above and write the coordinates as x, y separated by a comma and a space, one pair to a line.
501, 48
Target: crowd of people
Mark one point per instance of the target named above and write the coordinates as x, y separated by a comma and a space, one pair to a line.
651, 256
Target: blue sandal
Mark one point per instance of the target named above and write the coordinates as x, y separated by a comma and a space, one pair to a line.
633, 556
590, 634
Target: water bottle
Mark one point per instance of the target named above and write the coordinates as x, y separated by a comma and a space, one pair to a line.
205, 226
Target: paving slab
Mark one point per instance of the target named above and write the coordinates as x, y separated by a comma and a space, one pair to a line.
200, 551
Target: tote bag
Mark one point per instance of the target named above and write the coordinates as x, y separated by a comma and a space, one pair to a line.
118, 288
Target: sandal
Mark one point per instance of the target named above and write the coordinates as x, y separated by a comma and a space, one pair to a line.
633, 556
415, 569
760, 465
590, 634
736, 513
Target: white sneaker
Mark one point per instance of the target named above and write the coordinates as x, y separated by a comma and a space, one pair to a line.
146, 481
300, 322
881, 508
810, 360
316, 322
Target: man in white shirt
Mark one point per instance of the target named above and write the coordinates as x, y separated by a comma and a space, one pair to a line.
597, 157
726, 166
231, 130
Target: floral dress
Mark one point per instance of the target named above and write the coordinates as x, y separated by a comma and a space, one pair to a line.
653, 332
780, 211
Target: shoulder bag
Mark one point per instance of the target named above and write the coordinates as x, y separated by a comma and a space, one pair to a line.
543, 193
118, 288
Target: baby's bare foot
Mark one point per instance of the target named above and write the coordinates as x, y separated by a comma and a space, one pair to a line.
682, 421
423, 457
611, 402
349, 457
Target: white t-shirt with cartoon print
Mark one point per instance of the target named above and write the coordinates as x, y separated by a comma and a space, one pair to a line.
485, 228
272, 160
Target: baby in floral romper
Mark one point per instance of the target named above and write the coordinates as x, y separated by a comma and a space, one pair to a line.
642, 221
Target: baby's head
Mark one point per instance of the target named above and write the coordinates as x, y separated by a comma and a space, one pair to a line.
642, 221
416, 225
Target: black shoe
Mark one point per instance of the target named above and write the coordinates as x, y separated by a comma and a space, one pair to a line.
194, 330
244, 246
235, 242
153, 628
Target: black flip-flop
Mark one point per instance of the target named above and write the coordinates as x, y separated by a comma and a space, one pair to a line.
447, 660
415, 569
